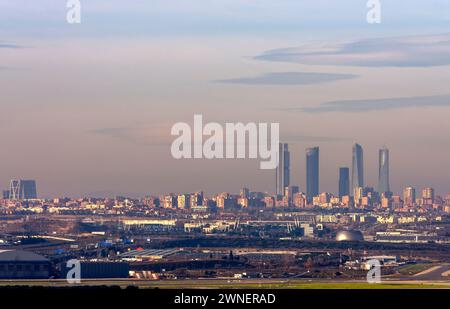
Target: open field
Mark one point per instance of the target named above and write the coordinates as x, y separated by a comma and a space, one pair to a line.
236, 284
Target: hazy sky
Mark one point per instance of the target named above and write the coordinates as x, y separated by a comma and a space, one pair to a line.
87, 109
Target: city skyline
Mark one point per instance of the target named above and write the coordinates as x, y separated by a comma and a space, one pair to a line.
25, 190
344, 182
265, 148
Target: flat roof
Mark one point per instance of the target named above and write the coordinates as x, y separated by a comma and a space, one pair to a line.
149, 253
20, 256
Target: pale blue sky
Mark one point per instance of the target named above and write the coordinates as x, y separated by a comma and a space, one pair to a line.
319, 18
88, 108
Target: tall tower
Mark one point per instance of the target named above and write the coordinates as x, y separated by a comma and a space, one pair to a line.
22, 189
344, 181
283, 169
357, 167
312, 172
14, 189
383, 170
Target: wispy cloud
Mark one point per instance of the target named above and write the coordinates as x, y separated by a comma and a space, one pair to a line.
156, 135
10, 68
294, 137
113, 132
408, 51
289, 78
357, 106
10, 45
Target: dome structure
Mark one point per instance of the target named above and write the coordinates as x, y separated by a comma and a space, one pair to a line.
351, 235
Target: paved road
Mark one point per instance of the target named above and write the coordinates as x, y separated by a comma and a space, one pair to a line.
440, 272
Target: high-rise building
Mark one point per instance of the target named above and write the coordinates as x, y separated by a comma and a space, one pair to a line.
428, 193
5, 194
358, 194
184, 201
290, 191
383, 170
269, 201
409, 196
299, 200
22, 189
196, 199
396, 202
245, 193
428, 196
357, 167
312, 172
344, 181
169, 201
283, 169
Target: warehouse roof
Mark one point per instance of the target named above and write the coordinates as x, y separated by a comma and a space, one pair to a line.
161, 253
20, 256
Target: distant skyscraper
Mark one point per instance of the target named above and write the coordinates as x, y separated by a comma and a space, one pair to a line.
344, 181
290, 191
409, 196
283, 169
196, 199
184, 201
5, 194
428, 193
358, 194
357, 167
245, 193
383, 170
22, 190
312, 172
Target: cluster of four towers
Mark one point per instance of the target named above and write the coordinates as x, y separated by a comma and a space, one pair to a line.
312, 171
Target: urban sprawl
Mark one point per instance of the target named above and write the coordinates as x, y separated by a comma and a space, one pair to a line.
283, 234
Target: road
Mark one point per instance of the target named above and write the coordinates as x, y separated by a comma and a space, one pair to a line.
439, 272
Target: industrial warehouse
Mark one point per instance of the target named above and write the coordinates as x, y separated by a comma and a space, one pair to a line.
23, 265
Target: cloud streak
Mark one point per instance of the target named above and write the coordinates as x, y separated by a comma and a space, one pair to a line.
358, 106
293, 137
155, 135
10, 45
289, 79
408, 51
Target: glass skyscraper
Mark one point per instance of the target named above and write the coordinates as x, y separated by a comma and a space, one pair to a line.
283, 170
383, 170
22, 189
344, 181
312, 172
357, 168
